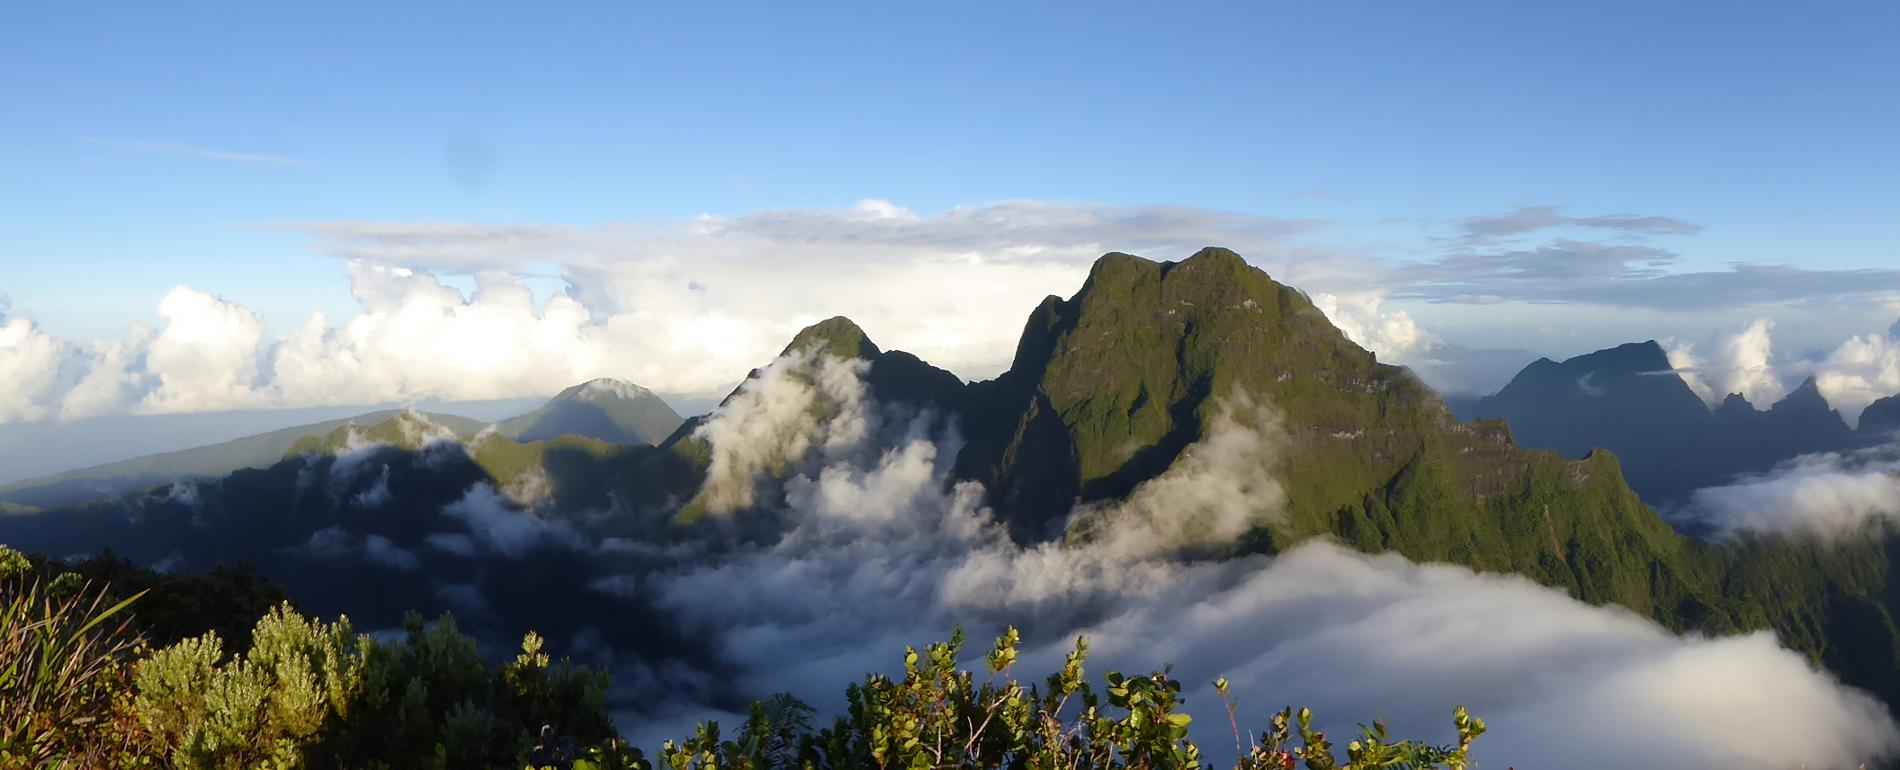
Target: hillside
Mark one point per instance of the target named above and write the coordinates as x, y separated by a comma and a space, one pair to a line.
102, 482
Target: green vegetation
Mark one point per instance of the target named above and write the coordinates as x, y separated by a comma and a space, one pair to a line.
62, 665
78, 690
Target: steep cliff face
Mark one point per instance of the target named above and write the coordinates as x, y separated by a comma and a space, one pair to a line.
1109, 386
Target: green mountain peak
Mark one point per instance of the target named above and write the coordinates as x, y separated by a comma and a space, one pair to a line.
838, 336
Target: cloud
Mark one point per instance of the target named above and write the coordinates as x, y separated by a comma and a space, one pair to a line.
1218, 489
1861, 370
878, 549
205, 355
1362, 316
1563, 684
1831, 495
686, 307
1529, 219
180, 148
1490, 262
767, 424
870, 233
334, 543
1625, 276
30, 367
501, 528
1742, 362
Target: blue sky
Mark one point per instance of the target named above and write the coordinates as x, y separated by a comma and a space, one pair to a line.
151, 145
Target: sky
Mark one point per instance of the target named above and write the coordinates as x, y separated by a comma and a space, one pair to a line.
245, 206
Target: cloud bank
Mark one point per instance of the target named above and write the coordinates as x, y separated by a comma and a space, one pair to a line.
877, 548
686, 307
1830, 495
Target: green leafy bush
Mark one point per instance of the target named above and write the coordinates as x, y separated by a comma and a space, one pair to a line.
258, 710
938, 716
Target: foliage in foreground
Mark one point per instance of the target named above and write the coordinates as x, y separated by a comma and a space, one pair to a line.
78, 690
939, 716
63, 652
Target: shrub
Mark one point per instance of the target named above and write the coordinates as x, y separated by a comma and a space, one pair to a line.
316, 695
62, 669
263, 709
937, 716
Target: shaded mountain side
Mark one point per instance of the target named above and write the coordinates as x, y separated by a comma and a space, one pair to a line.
1629, 400
104, 482
1746, 440
1626, 399
1881, 418
613, 411
381, 520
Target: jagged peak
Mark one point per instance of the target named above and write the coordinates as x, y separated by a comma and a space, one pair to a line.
837, 335
1735, 402
1807, 396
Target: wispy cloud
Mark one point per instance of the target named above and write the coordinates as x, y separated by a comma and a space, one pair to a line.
180, 148
1530, 219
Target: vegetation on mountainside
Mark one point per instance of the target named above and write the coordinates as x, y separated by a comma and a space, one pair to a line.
80, 689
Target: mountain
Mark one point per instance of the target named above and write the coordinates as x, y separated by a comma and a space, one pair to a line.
1630, 401
1108, 388
608, 410
112, 480
1744, 440
1881, 418
614, 411
1625, 399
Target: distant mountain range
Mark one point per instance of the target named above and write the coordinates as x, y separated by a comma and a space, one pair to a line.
1109, 388
608, 410
1630, 401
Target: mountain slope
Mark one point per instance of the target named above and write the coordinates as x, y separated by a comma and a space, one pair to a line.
1626, 399
114, 479
1109, 386
614, 411
1630, 401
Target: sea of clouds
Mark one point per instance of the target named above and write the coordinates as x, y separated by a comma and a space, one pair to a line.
874, 547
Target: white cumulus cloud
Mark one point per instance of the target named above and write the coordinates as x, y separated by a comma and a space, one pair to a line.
1829, 494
